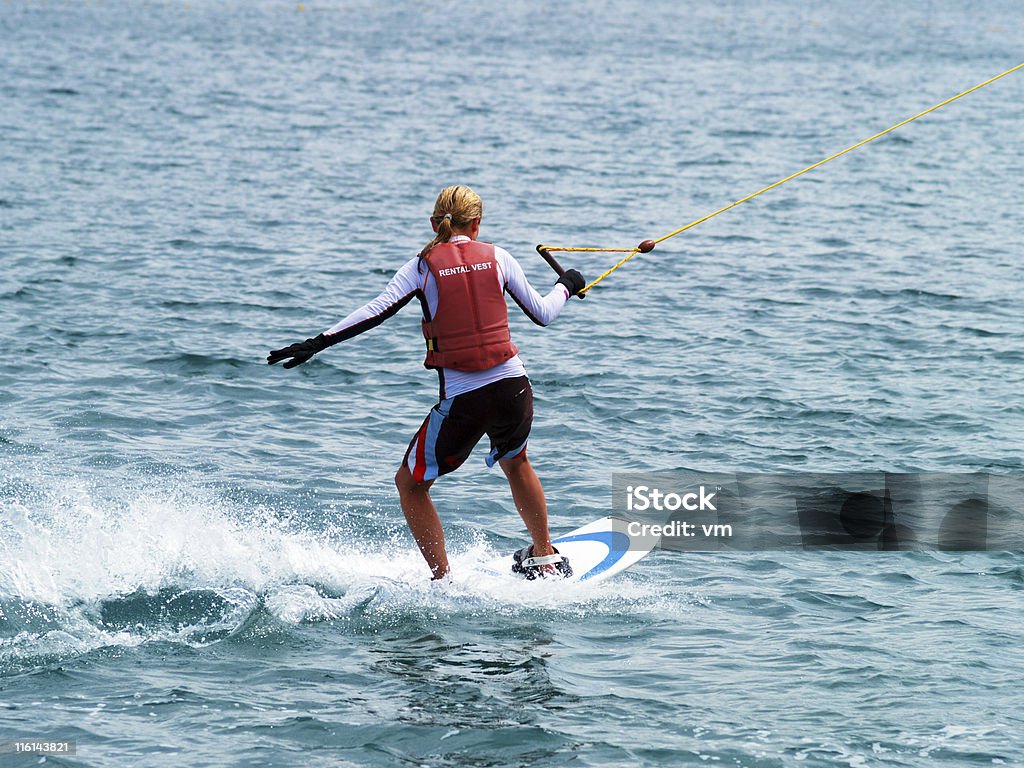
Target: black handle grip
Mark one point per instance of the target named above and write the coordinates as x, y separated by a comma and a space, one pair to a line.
551, 260
553, 263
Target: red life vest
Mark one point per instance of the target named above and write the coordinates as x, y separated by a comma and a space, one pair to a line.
469, 329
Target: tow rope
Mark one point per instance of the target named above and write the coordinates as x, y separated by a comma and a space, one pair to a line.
648, 245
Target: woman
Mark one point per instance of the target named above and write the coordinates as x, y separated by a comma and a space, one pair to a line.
460, 283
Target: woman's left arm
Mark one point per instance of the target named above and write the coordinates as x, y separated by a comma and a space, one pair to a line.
540, 309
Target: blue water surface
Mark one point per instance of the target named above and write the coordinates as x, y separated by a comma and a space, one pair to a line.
202, 559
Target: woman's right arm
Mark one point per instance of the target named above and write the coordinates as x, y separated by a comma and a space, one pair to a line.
402, 287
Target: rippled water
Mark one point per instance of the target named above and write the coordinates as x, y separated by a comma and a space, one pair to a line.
202, 560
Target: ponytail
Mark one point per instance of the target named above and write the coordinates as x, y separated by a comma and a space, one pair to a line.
444, 234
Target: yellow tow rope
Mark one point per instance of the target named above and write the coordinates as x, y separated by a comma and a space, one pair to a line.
648, 245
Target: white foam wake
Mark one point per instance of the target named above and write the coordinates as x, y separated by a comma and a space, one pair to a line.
82, 567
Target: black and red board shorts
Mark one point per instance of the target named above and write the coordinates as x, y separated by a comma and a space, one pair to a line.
502, 410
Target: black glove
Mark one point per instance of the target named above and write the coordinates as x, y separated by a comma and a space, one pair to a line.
573, 281
299, 352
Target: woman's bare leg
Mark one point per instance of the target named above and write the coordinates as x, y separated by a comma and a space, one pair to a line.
423, 520
528, 495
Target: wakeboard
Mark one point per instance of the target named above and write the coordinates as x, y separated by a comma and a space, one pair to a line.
597, 551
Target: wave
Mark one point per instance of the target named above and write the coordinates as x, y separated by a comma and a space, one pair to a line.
84, 567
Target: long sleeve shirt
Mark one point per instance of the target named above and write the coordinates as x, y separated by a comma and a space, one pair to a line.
414, 280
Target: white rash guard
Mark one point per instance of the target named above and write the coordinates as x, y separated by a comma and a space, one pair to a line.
414, 280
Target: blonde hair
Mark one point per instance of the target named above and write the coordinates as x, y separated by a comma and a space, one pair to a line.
455, 207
